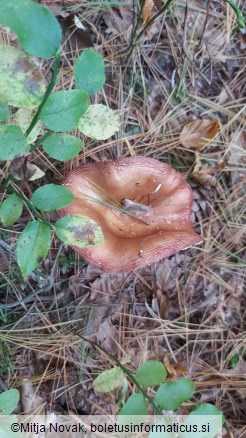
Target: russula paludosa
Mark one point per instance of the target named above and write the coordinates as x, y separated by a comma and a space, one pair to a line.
142, 206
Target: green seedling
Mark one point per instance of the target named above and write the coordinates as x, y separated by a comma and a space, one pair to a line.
41, 117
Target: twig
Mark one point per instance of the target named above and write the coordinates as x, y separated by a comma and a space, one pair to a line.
47, 93
40, 141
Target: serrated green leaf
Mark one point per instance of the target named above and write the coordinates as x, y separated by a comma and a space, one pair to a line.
13, 143
99, 122
5, 427
51, 197
171, 395
206, 409
10, 210
32, 246
162, 425
21, 82
63, 147
79, 231
4, 112
135, 405
89, 71
109, 380
151, 373
23, 118
63, 109
8, 401
37, 28
204, 422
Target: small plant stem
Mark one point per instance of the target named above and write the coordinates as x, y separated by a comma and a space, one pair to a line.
124, 369
40, 141
50, 87
32, 208
5, 184
150, 22
238, 12
134, 31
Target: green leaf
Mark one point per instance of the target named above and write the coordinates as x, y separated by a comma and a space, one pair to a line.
171, 395
10, 210
63, 109
21, 82
79, 231
151, 373
99, 122
89, 71
37, 28
206, 409
13, 143
235, 359
8, 401
51, 197
162, 425
135, 405
204, 422
23, 118
32, 246
63, 147
5, 427
4, 112
109, 380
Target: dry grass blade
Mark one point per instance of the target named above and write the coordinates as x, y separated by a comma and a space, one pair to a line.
107, 196
198, 133
113, 207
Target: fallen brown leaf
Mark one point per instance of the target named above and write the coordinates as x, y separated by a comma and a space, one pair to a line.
205, 175
198, 133
169, 367
147, 12
21, 169
180, 368
173, 370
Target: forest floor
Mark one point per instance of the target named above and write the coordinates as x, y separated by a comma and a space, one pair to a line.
187, 310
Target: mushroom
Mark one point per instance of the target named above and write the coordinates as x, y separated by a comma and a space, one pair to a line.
142, 205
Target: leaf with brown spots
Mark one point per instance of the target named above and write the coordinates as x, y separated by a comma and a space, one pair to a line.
79, 231
198, 133
21, 82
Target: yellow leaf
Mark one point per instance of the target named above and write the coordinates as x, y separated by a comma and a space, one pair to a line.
170, 369
198, 133
147, 12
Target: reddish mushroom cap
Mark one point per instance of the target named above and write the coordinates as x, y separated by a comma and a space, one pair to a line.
163, 227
